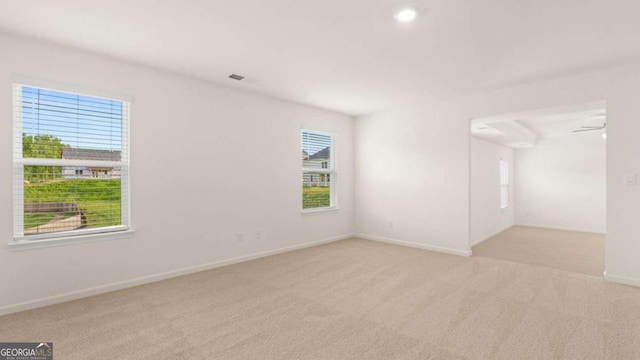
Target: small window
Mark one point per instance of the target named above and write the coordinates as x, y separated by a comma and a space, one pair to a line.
318, 171
56, 136
504, 184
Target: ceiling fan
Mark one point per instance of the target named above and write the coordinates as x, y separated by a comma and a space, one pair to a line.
591, 128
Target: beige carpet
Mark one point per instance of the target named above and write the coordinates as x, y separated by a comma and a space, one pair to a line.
565, 250
352, 299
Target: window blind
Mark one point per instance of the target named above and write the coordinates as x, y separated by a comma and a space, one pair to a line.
71, 163
318, 170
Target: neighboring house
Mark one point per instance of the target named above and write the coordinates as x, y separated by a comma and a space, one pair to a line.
319, 160
90, 172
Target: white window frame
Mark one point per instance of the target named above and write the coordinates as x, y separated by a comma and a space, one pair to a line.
330, 169
25, 242
505, 186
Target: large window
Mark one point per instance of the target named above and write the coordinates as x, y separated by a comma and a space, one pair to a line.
71, 164
504, 184
318, 171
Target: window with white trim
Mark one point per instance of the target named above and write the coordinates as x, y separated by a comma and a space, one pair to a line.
318, 171
504, 184
70, 164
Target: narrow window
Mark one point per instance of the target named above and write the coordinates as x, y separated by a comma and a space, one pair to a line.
318, 164
504, 184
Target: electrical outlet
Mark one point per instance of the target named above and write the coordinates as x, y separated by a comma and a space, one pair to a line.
631, 179
258, 234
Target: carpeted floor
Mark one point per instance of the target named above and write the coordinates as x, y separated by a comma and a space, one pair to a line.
565, 250
352, 299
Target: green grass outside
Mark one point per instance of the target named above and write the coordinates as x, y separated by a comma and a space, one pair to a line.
315, 197
36, 219
99, 200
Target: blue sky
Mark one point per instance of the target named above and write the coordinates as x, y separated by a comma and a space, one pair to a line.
77, 120
313, 142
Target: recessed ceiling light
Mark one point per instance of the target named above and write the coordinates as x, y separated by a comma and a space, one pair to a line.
406, 15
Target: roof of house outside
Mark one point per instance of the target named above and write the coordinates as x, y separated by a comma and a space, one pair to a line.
322, 154
90, 154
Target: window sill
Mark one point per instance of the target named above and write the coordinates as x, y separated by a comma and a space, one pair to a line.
20, 245
320, 210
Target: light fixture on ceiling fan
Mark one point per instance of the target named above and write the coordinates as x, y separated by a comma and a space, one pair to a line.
592, 128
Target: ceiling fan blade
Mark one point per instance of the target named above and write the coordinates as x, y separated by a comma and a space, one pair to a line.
590, 128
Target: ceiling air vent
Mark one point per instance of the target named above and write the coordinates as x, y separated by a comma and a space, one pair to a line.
236, 77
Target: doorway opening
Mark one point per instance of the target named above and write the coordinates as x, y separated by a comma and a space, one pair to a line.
538, 187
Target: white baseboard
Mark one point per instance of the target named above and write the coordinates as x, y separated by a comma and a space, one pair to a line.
622, 279
561, 228
56, 299
415, 245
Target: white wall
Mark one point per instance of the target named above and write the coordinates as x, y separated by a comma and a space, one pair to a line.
412, 178
412, 162
197, 151
487, 219
562, 183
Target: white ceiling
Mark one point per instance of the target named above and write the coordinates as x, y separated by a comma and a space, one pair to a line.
526, 129
563, 124
349, 56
